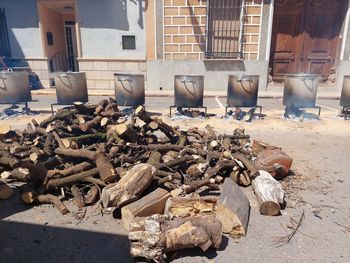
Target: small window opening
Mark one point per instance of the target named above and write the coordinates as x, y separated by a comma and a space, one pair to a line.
128, 42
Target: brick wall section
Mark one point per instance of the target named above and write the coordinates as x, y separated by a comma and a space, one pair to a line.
252, 20
185, 29
100, 74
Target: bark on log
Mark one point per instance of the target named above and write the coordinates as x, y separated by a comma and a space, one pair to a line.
129, 188
5, 191
269, 193
92, 195
90, 124
78, 196
233, 209
71, 179
104, 166
153, 203
51, 199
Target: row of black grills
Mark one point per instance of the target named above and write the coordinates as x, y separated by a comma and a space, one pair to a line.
299, 91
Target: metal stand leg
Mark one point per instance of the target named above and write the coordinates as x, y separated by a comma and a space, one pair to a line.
206, 113
319, 112
346, 110
226, 111
52, 108
26, 108
260, 111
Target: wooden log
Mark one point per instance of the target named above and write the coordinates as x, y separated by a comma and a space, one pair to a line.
274, 161
155, 236
153, 203
72, 179
187, 207
5, 191
81, 167
126, 132
269, 193
90, 124
233, 209
129, 188
78, 196
81, 153
105, 167
51, 199
92, 195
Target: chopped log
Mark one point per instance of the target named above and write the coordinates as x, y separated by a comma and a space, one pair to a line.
126, 132
233, 209
129, 188
187, 207
71, 170
155, 236
269, 193
105, 167
90, 124
153, 203
69, 180
191, 186
4, 129
274, 161
78, 196
92, 195
5, 191
84, 109
81, 153
241, 178
175, 162
251, 167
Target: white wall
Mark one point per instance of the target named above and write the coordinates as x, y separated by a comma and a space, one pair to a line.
23, 27
103, 23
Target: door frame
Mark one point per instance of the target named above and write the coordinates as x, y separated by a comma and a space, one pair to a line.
339, 55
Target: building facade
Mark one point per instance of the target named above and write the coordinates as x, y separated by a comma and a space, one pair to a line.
163, 38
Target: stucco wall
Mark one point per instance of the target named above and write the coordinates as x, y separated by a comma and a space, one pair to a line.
103, 23
23, 27
52, 22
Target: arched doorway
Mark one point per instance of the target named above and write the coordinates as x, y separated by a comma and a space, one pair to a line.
306, 36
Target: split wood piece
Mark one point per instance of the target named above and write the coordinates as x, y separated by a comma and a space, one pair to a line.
259, 146
92, 195
153, 203
247, 163
48, 146
233, 209
155, 236
269, 193
78, 196
72, 179
20, 174
196, 170
129, 188
90, 124
5, 191
241, 178
274, 161
187, 207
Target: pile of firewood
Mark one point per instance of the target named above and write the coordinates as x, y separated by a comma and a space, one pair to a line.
175, 188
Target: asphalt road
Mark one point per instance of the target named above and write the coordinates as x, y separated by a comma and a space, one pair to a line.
43, 102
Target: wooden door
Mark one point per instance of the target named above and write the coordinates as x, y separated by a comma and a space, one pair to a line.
323, 22
305, 36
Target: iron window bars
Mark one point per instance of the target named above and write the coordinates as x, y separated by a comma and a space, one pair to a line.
224, 29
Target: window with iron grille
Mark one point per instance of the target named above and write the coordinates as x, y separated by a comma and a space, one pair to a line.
4, 37
224, 29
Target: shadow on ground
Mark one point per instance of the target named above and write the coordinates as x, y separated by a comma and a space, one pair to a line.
23, 242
